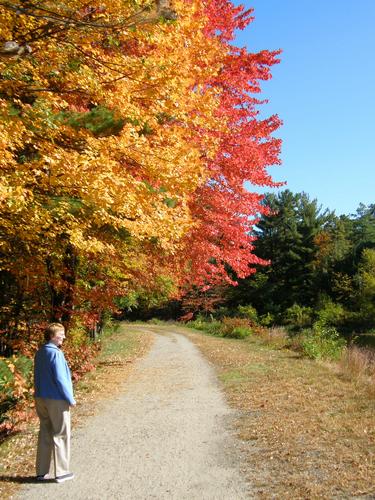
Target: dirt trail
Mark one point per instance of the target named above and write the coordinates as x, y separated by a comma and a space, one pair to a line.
167, 435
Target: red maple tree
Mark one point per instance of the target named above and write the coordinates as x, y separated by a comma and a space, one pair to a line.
226, 211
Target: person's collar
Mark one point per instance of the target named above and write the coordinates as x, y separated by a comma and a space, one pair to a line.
51, 344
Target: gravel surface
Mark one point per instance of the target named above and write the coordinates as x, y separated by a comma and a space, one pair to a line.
167, 435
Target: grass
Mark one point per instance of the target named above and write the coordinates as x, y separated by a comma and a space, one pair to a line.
358, 364
113, 365
310, 431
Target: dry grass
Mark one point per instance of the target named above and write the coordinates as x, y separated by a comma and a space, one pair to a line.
310, 432
275, 336
114, 364
358, 365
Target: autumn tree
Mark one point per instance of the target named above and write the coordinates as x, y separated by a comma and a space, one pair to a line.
128, 130
99, 153
222, 241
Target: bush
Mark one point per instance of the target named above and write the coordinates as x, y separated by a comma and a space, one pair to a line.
249, 312
81, 359
322, 342
15, 391
236, 328
239, 332
213, 327
221, 312
201, 323
331, 314
298, 316
77, 335
15, 377
267, 319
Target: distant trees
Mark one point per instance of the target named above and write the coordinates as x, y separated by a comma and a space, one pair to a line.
286, 238
320, 264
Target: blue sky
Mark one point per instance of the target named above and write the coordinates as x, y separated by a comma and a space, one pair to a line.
324, 91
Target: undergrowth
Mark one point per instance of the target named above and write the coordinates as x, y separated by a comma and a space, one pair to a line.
321, 342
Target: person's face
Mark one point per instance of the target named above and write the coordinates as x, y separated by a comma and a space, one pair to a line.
58, 338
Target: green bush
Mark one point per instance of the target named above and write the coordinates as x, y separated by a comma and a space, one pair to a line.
239, 332
213, 327
267, 319
221, 312
249, 312
201, 323
6, 380
15, 382
330, 314
78, 334
298, 316
15, 365
322, 342
237, 328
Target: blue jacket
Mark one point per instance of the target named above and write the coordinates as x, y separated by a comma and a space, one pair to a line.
52, 378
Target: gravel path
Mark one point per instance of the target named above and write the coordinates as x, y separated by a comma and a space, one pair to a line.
167, 435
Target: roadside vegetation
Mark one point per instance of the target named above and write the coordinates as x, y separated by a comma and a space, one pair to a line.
321, 342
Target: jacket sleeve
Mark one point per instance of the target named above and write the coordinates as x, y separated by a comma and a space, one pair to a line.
62, 377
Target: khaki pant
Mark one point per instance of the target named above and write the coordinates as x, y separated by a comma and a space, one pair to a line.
54, 436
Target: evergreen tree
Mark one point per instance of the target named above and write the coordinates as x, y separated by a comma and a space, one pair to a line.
286, 238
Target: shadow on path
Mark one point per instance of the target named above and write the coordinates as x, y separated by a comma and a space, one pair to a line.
23, 479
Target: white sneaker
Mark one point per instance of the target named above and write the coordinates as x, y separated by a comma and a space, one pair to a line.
65, 477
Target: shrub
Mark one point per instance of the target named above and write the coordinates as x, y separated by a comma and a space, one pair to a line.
213, 327
201, 323
249, 312
298, 316
267, 319
237, 328
331, 314
15, 391
15, 377
239, 332
221, 312
323, 342
81, 359
77, 335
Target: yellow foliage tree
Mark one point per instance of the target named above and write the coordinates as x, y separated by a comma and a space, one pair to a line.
101, 108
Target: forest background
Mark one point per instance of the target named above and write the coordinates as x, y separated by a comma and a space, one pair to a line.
127, 132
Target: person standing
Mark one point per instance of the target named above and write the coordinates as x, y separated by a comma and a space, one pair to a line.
53, 399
